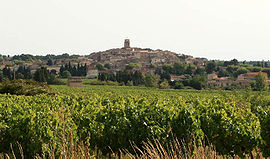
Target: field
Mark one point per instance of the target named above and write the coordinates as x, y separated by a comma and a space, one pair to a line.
110, 118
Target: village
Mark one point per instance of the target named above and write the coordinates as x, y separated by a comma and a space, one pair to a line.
147, 61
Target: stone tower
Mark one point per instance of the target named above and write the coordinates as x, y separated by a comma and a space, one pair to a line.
127, 44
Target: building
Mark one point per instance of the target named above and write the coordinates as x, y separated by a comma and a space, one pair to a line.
246, 78
74, 82
249, 76
212, 76
2, 67
92, 73
220, 82
214, 81
177, 78
127, 44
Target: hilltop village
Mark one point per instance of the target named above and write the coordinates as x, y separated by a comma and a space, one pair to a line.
172, 67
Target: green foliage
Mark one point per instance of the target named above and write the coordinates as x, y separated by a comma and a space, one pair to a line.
179, 85
98, 82
108, 66
100, 66
80, 70
186, 124
240, 70
66, 74
164, 85
210, 67
179, 68
151, 80
198, 82
232, 129
129, 83
109, 117
130, 66
23, 87
50, 62
261, 83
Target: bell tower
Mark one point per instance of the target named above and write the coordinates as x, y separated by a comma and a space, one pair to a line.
127, 44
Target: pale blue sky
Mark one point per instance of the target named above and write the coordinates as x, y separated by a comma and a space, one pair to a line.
215, 29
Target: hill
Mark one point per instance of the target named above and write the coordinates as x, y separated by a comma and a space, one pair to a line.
118, 58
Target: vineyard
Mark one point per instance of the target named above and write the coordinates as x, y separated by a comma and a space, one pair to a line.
109, 118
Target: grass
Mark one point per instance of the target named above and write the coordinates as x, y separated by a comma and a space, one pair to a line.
150, 150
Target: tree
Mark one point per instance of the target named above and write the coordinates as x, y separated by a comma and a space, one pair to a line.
66, 74
129, 83
261, 83
1, 76
210, 67
164, 85
240, 70
198, 82
130, 66
151, 80
41, 75
178, 85
234, 62
168, 68
100, 66
108, 66
137, 78
179, 68
266, 70
50, 62
189, 70
200, 71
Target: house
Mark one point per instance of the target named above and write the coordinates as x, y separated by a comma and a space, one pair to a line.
74, 82
249, 76
212, 76
177, 78
220, 82
2, 67
92, 73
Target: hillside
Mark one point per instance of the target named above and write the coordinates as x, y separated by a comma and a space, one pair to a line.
118, 58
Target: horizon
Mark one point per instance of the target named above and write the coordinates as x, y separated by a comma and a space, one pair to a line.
216, 30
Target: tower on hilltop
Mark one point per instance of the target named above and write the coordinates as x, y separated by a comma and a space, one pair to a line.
127, 44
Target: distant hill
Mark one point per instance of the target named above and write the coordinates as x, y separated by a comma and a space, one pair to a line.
118, 58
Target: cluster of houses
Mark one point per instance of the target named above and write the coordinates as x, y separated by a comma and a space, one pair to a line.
243, 79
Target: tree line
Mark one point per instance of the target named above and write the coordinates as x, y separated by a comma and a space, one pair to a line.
69, 70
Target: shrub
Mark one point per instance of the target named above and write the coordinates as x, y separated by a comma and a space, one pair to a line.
129, 83
164, 85
179, 85
151, 80
24, 87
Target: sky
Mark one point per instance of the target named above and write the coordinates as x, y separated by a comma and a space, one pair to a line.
214, 29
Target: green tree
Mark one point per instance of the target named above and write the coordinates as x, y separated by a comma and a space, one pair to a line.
50, 62
66, 74
261, 83
179, 85
198, 82
41, 75
164, 84
100, 66
130, 66
179, 68
108, 66
129, 83
210, 67
240, 70
151, 80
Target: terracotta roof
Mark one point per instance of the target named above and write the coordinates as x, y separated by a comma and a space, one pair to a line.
255, 73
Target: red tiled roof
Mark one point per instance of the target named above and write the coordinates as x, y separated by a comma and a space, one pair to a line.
255, 73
